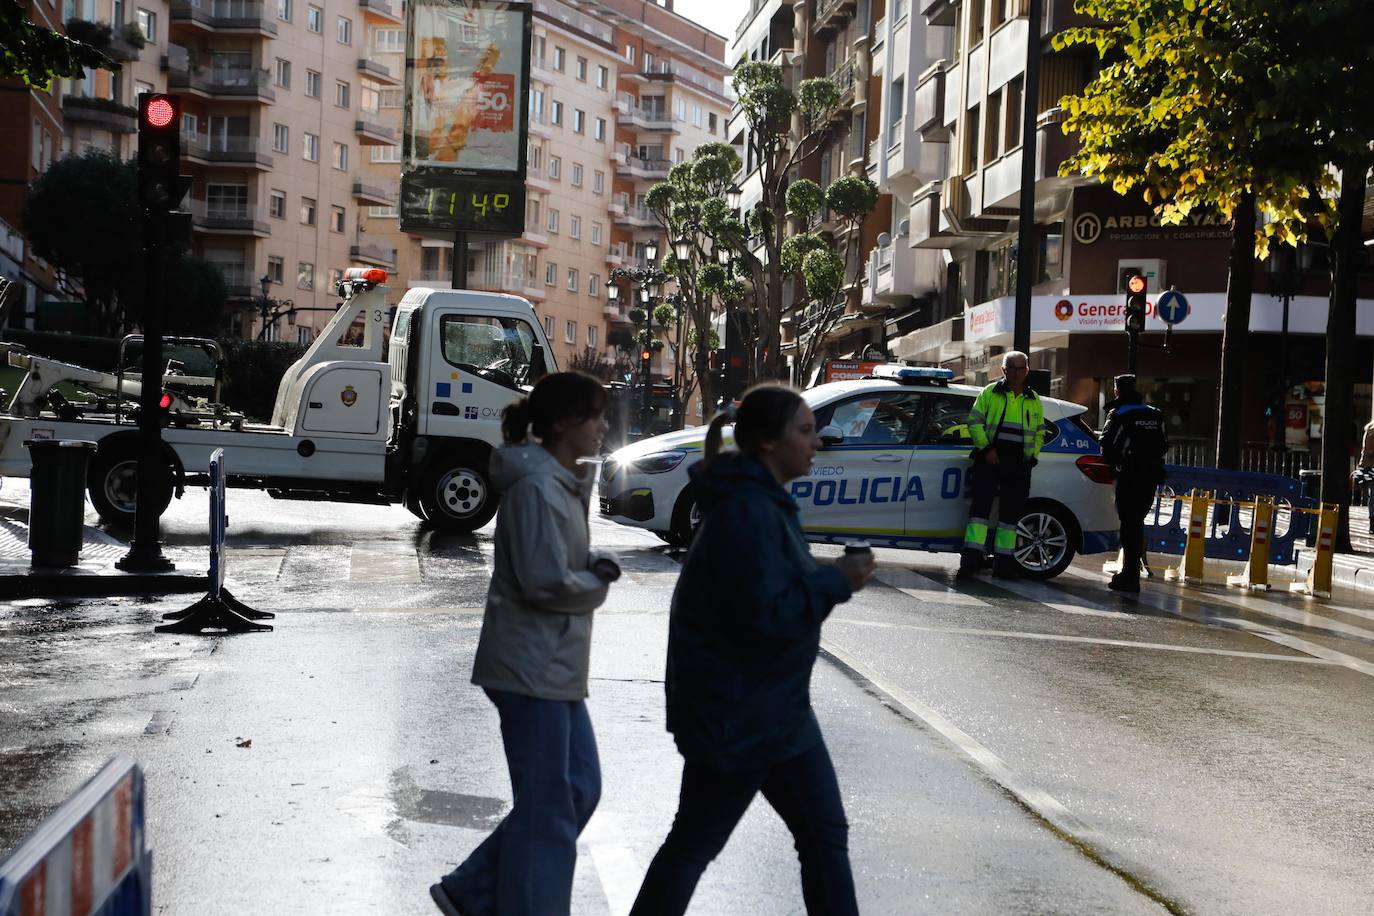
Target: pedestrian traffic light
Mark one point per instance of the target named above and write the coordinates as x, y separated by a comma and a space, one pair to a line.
1135, 304
159, 151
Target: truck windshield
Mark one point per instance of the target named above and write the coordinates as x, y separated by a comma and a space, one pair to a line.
494, 348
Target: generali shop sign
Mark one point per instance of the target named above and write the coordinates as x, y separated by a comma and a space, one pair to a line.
1106, 313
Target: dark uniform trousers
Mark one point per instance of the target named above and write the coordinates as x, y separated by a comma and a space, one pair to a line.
1135, 495
1008, 482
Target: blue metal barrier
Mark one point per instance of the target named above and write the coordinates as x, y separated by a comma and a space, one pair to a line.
89, 856
1227, 536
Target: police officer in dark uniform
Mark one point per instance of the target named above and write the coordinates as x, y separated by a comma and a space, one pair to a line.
1134, 443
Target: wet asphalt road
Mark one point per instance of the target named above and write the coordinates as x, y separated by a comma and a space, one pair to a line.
1002, 748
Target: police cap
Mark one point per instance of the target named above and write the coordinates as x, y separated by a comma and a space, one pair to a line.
1125, 383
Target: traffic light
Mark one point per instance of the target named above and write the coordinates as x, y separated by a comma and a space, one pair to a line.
159, 151
1135, 304
645, 355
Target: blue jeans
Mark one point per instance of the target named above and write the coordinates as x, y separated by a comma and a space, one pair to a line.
806, 796
526, 865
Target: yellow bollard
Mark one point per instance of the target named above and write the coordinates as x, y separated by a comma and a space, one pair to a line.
1189, 569
1318, 581
1256, 575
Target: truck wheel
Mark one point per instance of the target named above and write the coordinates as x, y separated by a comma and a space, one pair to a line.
112, 484
1046, 540
457, 495
686, 519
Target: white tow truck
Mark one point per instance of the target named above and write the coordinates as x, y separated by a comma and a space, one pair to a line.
355, 420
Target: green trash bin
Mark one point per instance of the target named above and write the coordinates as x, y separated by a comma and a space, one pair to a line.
57, 499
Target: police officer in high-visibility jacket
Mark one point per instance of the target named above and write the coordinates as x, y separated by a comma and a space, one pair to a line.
1134, 442
1007, 426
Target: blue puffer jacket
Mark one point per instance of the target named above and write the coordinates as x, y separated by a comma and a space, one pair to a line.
746, 623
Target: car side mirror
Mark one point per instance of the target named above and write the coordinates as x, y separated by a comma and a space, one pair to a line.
831, 435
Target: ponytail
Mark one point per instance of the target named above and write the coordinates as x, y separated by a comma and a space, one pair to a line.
556, 397
763, 415
717, 429
515, 422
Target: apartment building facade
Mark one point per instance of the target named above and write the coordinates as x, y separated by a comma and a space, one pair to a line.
620, 90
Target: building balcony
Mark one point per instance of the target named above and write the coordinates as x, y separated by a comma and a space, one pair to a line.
892, 273
372, 132
537, 180
832, 15
962, 210
535, 236
225, 17
666, 71
374, 195
227, 151
379, 73
373, 253
927, 227
388, 10
928, 103
241, 83
843, 77
434, 279
229, 219
507, 282
540, 127
614, 312
104, 114
631, 166
632, 217
879, 40
648, 120
1002, 177
617, 255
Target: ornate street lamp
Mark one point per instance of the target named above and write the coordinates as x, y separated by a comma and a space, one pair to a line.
733, 197
682, 249
651, 251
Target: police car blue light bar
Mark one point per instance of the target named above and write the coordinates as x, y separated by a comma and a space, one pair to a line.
910, 374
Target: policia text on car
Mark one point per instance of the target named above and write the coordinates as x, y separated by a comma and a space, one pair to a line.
1007, 425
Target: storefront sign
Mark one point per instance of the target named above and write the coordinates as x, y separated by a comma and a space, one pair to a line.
1102, 215
847, 370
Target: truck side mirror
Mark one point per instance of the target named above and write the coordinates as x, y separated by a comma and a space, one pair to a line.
538, 367
831, 435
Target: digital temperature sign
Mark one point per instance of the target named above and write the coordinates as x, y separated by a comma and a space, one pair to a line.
447, 203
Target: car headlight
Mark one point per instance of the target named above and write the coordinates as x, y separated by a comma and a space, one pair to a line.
658, 462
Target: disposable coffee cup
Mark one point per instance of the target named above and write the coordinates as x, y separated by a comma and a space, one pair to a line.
858, 547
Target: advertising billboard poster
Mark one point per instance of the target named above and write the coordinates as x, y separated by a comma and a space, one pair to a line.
466, 115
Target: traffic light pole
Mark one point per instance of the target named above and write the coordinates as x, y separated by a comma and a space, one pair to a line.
145, 553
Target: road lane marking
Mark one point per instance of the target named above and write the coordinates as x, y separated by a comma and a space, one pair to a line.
616, 866
1090, 640
1042, 593
420, 610
924, 588
1267, 608
1038, 801
1330, 656
382, 562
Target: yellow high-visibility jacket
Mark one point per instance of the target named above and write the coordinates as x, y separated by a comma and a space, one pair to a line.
1012, 418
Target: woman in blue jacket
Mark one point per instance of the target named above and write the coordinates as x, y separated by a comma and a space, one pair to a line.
743, 637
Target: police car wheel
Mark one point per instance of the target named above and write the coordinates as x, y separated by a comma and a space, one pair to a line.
456, 494
1045, 539
686, 520
112, 484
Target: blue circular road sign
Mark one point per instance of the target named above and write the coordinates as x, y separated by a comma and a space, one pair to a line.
1172, 307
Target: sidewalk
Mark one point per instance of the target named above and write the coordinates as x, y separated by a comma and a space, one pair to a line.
95, 576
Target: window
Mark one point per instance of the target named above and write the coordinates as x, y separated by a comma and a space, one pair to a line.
538, 50
581, 71
711, 121
312, 83
337, 215
882, 420
577, 175
310, 147
305, 335
392, 98
696, 115
276, 268
555, 167
630, 53
579, 121
553, 220
594, 285
600, 132
276, 204
342, 93
386, 153
971, 148
307, 211
226, 200
535, 159
389, 41
898, 10
946, 419
603, 77
897, 111
190, 124
992, 136
305, 275
550, 273
345, 30
486, 342
560, 57
1015, 90
598, 182
575, 227
680, 109
570, 332
679, 155
147, 24
548, 326
555, 112
284, 10
573, 280
976, 18
591, 336
596, 233
314, 19
283, 73
341, 156
281, 138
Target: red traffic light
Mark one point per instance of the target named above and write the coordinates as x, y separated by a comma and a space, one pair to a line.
1135, 285
644, 354
160, 111
165, 401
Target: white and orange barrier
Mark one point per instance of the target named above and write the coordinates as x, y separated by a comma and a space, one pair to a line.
89, 856
1318, 583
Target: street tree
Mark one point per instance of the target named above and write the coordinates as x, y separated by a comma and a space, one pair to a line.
34, 55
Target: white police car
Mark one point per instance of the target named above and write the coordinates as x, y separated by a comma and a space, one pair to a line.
897, 474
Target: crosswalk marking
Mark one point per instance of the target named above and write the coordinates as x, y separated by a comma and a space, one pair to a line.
383, 562
924, 588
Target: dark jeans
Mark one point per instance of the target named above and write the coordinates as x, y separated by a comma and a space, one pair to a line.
806, 796
1134, 498
526, 865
